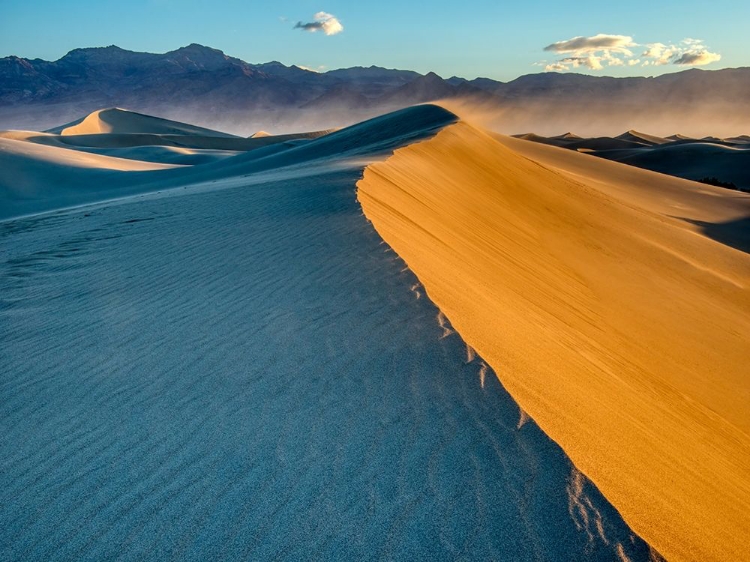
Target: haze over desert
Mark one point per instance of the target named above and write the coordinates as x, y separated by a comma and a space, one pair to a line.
449, 285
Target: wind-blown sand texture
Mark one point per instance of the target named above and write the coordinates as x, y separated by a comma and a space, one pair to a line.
243, 370
612, 302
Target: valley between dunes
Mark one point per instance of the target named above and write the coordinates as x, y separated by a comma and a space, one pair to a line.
613, 304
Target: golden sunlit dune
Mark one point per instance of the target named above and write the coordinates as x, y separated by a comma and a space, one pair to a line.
659, 193
614, 305
223, 361
611, 301
358, 281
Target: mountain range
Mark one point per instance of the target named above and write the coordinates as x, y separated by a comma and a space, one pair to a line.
203, 85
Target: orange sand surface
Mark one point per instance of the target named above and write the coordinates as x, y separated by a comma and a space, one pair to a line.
596, 293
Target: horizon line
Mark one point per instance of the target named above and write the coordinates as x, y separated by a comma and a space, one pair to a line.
326, 71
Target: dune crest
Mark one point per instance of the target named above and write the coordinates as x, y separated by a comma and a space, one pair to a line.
244, 371
117, 120
42, 174
617, 325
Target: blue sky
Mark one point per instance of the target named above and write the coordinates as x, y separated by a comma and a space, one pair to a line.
500, 40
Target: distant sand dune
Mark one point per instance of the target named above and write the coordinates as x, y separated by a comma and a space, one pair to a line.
604, 307
116, 120
36, 178
636, 136
692, 161
725, 159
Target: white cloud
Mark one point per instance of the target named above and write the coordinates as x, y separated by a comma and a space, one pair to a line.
600, 42
322, 21
555, 67
690, 52
698, 58
602, 50
593, 53
590, 61
661, 53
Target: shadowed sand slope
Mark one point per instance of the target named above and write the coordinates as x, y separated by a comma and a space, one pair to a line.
167, 149
36, 178
620, 328
250, 373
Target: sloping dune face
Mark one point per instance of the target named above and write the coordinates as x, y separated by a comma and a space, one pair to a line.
621, 329
42, 177
245, 371
116, 120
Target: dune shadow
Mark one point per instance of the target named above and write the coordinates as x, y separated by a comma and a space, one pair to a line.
735, 233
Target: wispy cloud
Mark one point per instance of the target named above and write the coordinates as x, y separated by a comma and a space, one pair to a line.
597, 43
603, 50
322, 21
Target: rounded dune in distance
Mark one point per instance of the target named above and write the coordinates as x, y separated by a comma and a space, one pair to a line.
116, 120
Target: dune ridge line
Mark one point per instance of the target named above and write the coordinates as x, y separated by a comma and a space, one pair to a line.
609, 316
245, 370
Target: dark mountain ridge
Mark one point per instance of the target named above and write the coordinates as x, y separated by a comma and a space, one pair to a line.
203, 85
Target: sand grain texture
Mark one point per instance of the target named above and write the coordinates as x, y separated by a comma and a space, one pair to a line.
241, 369
615, 322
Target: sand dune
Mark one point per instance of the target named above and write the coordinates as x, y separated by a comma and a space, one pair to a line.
574, 142
122, 121
36, 178
606, 303
643, 138
601, 143
31, 155
567, 136
132, 140
183, 141
554, 141
31, 184
244, 371
692, 161
145, 148
672, 196
725, 159
166, 154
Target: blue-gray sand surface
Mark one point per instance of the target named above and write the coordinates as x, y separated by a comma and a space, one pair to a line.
248, 374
